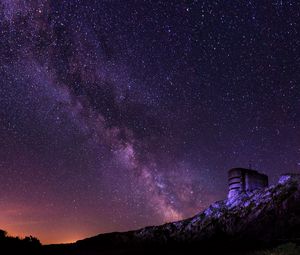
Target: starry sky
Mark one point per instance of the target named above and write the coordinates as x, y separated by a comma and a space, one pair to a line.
116, 115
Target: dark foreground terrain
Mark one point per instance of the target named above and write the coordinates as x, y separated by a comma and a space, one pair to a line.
262, 222
283, 249
15, 245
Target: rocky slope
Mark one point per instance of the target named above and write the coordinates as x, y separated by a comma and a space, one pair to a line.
262, 217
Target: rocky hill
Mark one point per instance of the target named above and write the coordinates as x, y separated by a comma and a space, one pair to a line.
245, 221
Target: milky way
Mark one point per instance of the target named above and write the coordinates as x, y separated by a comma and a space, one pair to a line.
120, 114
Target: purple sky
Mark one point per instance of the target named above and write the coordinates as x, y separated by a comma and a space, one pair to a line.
120, 114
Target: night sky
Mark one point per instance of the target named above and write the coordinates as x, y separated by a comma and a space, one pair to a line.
116, 115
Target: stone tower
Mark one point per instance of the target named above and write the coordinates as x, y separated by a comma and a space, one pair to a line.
245, 180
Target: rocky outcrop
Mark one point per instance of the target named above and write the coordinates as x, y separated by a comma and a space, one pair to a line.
267, 216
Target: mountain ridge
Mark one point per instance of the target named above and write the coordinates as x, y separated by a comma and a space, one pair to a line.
249, 219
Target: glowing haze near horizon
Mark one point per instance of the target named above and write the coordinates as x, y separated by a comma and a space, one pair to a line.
115, 115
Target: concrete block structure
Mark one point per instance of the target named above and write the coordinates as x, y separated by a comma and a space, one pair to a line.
245, 180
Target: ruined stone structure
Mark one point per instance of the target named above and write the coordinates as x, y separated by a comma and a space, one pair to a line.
245, 180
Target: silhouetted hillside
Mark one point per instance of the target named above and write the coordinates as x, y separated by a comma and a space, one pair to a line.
14, 245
